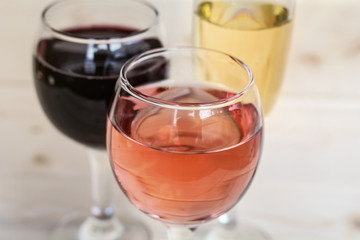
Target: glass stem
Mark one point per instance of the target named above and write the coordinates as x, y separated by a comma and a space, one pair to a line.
179, 233
229, 220
101, 182
101, 224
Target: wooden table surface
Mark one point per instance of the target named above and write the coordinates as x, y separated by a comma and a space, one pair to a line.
308, 183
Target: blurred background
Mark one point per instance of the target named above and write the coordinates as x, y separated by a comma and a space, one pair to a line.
308, 182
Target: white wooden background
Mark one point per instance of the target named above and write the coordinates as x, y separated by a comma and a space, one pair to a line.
308, 183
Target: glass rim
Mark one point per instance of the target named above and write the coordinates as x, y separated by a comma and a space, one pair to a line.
125, 84
84, 40
291, 4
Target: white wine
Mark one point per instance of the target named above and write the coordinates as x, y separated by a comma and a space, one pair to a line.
256, 33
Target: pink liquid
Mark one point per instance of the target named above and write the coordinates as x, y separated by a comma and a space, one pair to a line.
184, 166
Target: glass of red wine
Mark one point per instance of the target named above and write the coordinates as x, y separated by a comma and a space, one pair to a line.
184, 135
77, 59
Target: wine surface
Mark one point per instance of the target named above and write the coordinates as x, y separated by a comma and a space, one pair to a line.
75, 82
256, 33
184, 166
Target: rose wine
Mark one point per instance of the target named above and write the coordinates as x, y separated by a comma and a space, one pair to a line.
74, 82
183, 166
256, 33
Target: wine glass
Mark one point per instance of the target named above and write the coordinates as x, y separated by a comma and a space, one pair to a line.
76, 62
184, 146
258, 32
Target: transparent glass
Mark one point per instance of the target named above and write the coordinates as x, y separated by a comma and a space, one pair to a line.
255, 31
184, 135
259, 33
78, 54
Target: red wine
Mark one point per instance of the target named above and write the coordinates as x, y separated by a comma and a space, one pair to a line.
180, 166
74, 82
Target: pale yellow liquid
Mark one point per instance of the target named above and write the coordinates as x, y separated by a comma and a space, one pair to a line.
256, 33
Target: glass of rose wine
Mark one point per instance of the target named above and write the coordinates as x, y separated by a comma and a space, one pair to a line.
184, 146
258, 32
77, 59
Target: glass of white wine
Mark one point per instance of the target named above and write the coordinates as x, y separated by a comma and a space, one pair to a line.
258, 32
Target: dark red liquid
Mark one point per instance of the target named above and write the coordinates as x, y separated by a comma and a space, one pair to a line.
74, 82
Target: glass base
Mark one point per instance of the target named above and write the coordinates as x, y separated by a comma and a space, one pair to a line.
239, 232
78, 227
